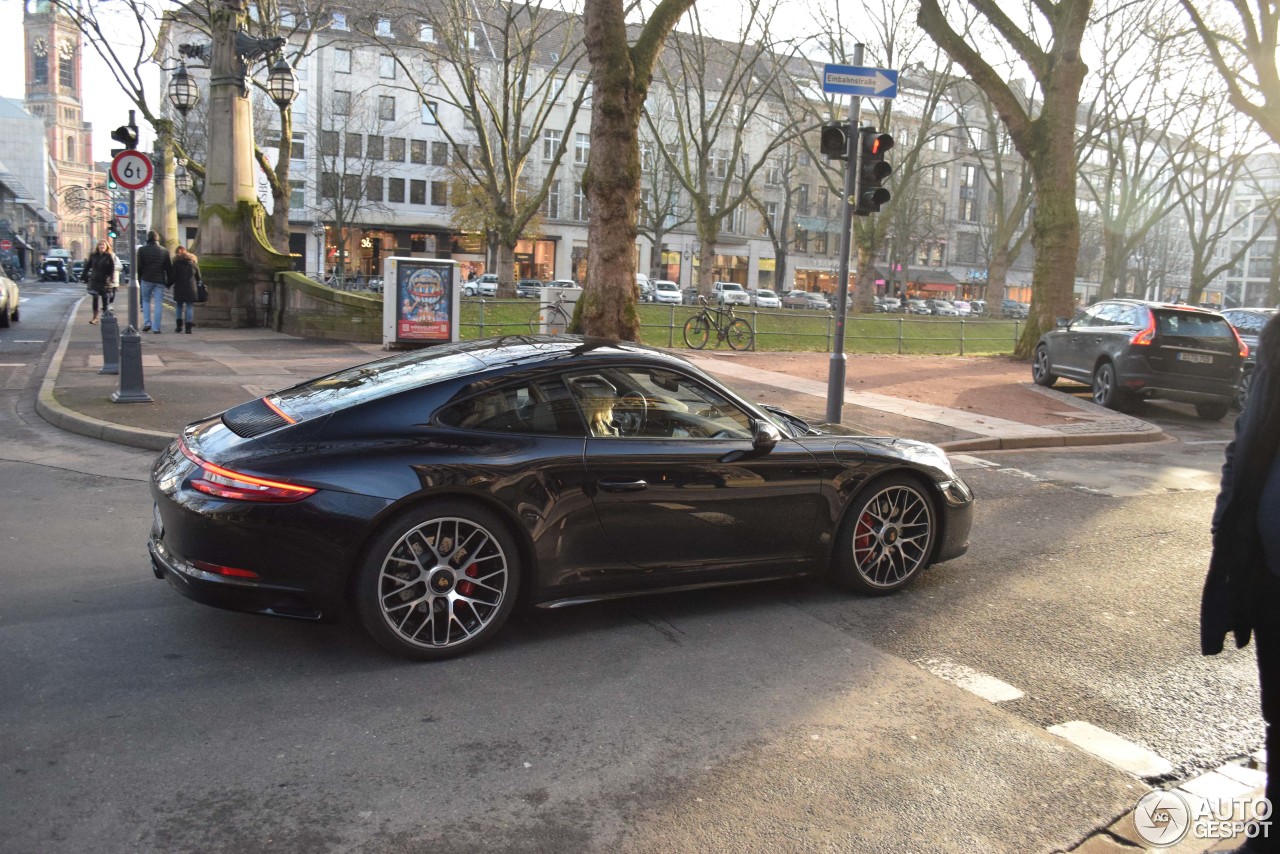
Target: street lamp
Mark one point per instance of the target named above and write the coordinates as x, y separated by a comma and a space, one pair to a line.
319, 231
183, 91
182, 181
282, 86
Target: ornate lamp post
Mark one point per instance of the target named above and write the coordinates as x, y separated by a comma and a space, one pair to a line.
238, 262
318, 230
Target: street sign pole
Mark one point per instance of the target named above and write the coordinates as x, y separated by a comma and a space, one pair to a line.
836, 370
131, 389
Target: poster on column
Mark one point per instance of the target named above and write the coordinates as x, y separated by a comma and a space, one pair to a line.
420, 301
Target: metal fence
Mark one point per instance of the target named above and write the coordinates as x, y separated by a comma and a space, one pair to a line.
782, 330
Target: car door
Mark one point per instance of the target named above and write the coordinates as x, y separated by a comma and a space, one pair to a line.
677, 485
1070, 351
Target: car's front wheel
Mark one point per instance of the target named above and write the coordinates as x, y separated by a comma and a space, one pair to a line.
887, 537
1106, 388
438, 581
1040, 371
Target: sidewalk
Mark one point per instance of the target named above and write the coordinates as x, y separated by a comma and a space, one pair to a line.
960, 403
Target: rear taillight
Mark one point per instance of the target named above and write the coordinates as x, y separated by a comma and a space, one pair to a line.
1244, 348
1147, 335
237, 486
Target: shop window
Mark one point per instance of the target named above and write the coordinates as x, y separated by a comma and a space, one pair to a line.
417, 192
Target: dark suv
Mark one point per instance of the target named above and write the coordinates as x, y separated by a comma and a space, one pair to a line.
1248, 323
1131, 349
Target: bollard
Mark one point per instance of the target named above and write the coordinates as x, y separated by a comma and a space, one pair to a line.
131, 389
110, 343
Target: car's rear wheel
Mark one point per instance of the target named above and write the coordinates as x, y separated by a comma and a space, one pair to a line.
1106, 388
4, 319
1242, 390
1040, 371
1213, 410
438, 581
886, 538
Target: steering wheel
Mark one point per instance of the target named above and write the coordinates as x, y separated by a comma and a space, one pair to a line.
634, 414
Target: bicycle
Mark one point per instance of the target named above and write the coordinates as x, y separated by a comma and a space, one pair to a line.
735, 330
550, 315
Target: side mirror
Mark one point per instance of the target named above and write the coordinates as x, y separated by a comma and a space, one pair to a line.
1062, 322
764, 436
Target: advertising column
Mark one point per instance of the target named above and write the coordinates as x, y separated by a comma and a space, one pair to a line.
420, 302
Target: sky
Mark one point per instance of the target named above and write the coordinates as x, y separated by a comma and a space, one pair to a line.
104, 104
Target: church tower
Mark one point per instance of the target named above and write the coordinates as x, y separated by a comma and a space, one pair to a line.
53, 52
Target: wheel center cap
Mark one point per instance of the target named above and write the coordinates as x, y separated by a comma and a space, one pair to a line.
441, 581
891, 535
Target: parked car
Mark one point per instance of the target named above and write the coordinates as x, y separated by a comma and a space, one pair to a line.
806, 300
978, 307
434, 538
918, 306
531, 288
962, 307
729, 293
562, 283
666, 291
1248, 323
54, 270
77, 270
1014, 309
9, 299
689, 296
1132, 349
942, 308
765, 298
888, 305
485, 286
645, 284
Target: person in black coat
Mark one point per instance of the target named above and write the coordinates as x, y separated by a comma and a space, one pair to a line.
185, 278
1242, 591
99, 274
154, 266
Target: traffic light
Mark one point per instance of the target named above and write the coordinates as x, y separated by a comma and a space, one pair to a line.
874, 171
834, 142
126, 135
111, 182
113, 227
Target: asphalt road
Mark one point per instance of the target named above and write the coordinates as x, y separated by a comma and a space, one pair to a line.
778, 717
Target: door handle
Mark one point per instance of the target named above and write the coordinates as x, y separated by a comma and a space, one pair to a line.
621, 485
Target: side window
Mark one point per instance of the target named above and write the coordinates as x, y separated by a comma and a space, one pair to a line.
1128, 316
654, 403
1093, 315
541, 407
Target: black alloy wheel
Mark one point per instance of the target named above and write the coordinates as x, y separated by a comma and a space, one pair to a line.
438, 581
1242, 390
1040, 371
887, 537
1106, 388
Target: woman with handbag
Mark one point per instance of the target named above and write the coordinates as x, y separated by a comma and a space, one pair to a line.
187, 285
99, 273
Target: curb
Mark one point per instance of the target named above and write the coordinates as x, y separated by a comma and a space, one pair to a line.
73, 422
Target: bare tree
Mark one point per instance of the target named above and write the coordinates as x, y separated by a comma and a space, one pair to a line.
1244, 51
776, 198
725, 129
351, 182
662, 203
1043, 131
502, 81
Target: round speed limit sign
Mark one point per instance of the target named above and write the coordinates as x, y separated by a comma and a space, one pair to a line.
132, 170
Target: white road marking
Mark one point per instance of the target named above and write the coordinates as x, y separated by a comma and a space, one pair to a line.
987, 687
1205, 441
1109, 747
13, 364
28, 341
966, 459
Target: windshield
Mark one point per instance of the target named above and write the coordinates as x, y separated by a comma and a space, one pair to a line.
728, 287
667, 286
765, 293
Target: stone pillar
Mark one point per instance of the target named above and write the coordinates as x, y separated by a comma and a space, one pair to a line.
236, 259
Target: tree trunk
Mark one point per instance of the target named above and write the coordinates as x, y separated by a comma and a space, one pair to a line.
707, 234
278, 222
612, 180
1114, 262
506, 270
997, 278
1055, 234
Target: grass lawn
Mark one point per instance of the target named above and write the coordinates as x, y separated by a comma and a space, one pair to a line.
782, 329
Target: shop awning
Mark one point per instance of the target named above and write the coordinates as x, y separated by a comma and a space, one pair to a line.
936, 287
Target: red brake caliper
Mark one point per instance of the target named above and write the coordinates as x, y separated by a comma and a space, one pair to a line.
466, 588
863, 540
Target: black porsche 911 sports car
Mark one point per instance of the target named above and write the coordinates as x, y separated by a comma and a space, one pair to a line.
434, 490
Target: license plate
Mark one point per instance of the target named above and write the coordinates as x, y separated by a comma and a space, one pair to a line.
1198, 358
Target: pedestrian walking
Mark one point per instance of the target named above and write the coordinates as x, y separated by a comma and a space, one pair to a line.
1242, 591
99, 272
154, 268
185, 277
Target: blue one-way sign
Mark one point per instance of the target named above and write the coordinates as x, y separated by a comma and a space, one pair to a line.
857, 80
122, 209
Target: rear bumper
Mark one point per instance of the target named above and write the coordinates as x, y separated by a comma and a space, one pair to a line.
232, 594
1137, 377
